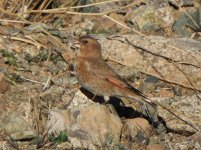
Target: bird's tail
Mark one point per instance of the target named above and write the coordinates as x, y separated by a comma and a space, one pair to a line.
149, 108
142, 98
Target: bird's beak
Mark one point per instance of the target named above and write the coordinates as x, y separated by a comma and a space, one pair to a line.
76, 45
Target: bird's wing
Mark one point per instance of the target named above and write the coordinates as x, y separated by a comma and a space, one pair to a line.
105, 72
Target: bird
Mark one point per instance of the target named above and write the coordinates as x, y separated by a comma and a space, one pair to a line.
96, 76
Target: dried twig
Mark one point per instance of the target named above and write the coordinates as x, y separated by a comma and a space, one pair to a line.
30, 80
66, 10
98, 3
47, 83
119, 23
38, 45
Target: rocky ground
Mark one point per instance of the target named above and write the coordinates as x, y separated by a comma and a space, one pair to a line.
154, 45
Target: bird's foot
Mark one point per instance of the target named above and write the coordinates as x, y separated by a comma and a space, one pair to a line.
112, 109
110, 106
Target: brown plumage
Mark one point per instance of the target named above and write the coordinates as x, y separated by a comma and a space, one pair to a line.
95, 75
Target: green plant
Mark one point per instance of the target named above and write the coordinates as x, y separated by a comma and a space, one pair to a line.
58, 138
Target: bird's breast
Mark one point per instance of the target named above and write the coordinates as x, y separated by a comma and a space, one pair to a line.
82, 71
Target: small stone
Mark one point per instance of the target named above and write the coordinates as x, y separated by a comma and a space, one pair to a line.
67, 97
137, 128
154, 139
92, 9
177, 91
37, 27
80, 100
120, 146
17, 128
197, 145
166, 92
65, 145
4, 86
62, 65
72, 80
60, 80
149, 84
34, 69
31, 52
87, 127
155, 147
52, 69
178, 141
188, 110
49, 66
54, 91
185, 26
181, 3
150, 19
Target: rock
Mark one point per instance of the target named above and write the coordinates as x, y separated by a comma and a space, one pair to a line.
67, 97
150, 19
177, 91
37, 27
181, 3
30, 52
9, 30
35, 69
109, 27
2, 62
176, 141
63, 3
18, 128
49, 66
16, 113
143, 16
92, 9
81, 26
158, 3
65, 145
149, 84
165, 92
189, 110
55, 90
157, 49
80, 100
87, 127
64, 79
120, 146
186, 26
72, 80
4, 86
62, 65
155, 147
137, 128
155, 139
196, 138
53, 96
138, 146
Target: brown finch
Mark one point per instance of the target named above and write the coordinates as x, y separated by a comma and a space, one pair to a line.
95, 75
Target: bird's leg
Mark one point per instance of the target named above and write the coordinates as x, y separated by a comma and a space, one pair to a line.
110, 106
94, 97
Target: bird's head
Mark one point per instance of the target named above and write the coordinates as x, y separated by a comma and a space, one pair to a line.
89, 47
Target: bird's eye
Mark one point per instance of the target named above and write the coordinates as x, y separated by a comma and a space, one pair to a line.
84, 41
